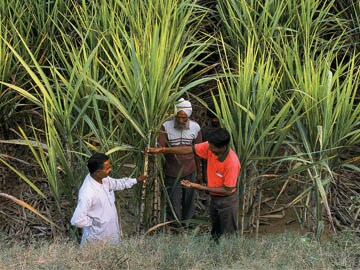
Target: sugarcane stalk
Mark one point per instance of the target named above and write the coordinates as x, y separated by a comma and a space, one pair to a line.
156, 200
243, 210
259, 208
144, 187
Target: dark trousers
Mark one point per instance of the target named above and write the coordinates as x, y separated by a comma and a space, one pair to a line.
224, 214
182, 199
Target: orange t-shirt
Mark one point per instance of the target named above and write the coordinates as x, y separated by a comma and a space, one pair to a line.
221, 170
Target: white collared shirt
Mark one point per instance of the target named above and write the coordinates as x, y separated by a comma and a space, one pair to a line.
96, 211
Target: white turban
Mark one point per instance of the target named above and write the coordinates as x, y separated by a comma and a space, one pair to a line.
185, 106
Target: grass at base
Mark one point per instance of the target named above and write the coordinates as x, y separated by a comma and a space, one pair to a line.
188, 251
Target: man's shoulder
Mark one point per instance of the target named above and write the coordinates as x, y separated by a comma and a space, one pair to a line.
203, 146
194, 124
87, 186
232, 157
168, 123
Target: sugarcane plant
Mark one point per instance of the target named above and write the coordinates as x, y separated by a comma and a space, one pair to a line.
250, 107
146, 60
83, 76
327, 127
305, 45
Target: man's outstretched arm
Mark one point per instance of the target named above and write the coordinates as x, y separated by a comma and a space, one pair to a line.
182, 150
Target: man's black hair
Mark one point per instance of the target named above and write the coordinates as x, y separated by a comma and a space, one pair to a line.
96, 162
219, 137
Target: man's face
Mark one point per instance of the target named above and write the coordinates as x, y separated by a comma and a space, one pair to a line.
216, 150
105, 171
181, 118
215, 122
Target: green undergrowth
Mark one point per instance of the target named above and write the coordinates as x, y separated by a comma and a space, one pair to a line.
188, 251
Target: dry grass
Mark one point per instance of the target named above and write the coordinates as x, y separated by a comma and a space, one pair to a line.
188, 251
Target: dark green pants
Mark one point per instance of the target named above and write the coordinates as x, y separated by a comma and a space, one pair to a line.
224, 214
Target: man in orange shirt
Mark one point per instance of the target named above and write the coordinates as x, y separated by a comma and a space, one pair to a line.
222, 175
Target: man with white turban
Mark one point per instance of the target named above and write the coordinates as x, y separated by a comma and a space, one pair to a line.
180, 131
185, 106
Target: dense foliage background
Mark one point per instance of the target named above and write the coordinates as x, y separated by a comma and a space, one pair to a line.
84, 76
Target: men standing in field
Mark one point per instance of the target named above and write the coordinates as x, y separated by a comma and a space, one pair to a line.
180, 131
96, 211
222, 175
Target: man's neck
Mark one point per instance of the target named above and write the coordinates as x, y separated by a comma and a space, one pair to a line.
97, 179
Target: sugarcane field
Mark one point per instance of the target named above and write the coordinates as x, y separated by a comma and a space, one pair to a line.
180, 134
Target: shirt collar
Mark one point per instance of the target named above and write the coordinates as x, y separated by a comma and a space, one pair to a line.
96, 183
223, 156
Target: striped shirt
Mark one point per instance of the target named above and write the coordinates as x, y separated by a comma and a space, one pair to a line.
179, 165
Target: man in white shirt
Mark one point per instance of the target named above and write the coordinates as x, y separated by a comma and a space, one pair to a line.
96, 211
